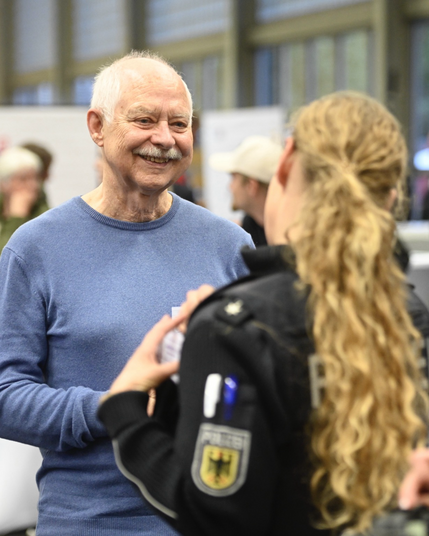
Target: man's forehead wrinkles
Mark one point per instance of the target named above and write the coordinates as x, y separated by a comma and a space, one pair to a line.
141, 110
155, 111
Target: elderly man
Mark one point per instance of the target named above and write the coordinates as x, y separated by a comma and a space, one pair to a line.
81, 285
251, 165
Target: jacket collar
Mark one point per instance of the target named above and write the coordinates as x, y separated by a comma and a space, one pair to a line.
265, 260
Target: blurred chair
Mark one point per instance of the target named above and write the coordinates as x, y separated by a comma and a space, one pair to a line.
18, 490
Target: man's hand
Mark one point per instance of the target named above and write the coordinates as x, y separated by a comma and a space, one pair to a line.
414, 489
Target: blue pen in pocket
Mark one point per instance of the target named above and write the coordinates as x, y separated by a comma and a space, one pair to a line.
230, 391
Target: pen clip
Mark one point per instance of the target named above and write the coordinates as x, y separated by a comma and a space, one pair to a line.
230, 391
212, 394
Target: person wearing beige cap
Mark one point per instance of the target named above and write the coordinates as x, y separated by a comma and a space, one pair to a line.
251, 164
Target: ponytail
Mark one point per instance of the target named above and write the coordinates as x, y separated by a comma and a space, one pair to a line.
367, 422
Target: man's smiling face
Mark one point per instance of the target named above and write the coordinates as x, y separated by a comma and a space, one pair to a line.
148, 144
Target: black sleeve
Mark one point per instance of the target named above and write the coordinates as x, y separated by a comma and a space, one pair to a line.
213, 475
143, 449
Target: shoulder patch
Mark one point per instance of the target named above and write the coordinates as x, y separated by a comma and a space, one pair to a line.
221, 458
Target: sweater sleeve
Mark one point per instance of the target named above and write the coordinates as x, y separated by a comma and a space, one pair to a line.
240, 267
31, 411
215, 474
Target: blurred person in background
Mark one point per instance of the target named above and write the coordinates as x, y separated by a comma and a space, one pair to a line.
251, 165
20, 186
182, 186
46, 157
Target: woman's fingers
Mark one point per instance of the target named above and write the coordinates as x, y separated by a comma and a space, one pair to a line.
150, 344
414, 490
193, 299
143, 371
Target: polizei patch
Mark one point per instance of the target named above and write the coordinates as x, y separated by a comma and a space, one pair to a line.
220, 460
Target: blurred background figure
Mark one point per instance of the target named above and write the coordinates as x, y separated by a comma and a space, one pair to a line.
182, 187
251, 164
46, 157
421, 164
20, 187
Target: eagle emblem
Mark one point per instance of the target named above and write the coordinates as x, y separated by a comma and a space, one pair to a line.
219, 467
220, 460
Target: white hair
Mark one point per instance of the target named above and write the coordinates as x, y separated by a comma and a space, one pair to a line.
17, 159
108, 81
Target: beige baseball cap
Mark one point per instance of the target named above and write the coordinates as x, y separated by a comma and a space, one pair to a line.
256, 157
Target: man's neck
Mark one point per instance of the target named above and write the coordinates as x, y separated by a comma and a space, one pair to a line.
133, 207
256, 211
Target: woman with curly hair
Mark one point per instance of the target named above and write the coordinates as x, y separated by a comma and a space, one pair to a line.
300, 396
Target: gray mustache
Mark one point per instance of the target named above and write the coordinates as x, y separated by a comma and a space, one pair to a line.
155, 152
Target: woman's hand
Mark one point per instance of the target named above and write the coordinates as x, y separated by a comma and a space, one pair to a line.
193, 299
414, 489
143, 370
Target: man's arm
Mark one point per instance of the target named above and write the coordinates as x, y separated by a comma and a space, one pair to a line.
31, 411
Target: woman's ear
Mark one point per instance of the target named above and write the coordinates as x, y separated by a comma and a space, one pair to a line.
393, 195
94, 121
286, 160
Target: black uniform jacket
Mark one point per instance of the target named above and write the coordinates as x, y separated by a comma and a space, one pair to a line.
234, 459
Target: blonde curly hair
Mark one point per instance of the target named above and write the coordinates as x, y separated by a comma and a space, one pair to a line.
353, 155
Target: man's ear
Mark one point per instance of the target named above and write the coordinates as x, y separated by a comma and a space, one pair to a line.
94, 120
286, 160
252, 185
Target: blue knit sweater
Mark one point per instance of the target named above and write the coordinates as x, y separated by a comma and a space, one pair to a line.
78, 291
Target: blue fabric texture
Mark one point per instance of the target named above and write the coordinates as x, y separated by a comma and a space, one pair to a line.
78, 291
